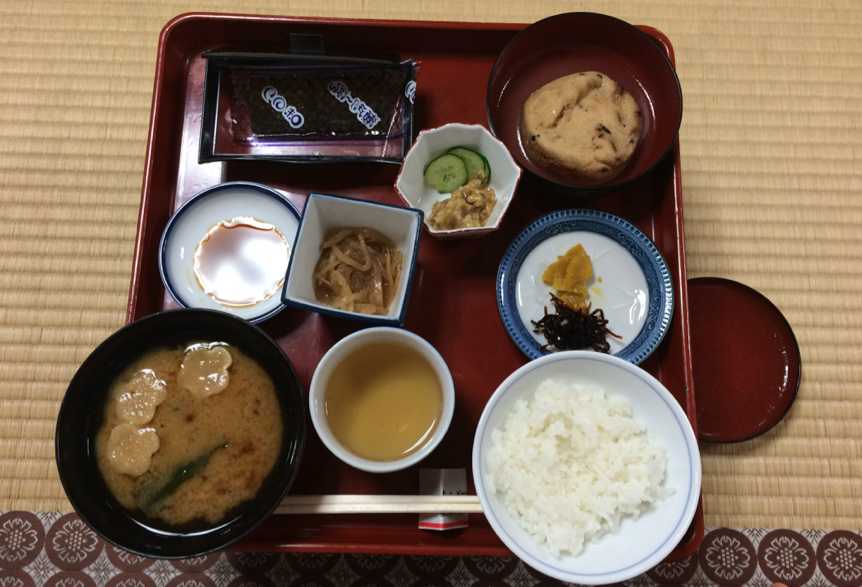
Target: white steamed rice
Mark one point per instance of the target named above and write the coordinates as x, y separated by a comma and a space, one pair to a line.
569, 464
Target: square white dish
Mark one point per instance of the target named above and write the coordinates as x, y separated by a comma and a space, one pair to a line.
324, 214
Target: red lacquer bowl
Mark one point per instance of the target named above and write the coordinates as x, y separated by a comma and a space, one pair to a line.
576, 42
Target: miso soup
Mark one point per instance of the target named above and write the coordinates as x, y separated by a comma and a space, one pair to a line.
215, 447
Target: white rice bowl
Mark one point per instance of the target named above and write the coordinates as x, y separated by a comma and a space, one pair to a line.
524, 470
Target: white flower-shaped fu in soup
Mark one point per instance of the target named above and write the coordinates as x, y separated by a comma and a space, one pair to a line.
140, 396
204, 370
130, 450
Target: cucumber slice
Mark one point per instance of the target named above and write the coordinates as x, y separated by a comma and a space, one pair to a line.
446, 173
473, 160
487, 169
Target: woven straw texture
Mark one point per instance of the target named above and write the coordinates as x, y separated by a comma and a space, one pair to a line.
772, 173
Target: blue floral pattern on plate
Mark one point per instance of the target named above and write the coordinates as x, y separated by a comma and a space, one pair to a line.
660, 296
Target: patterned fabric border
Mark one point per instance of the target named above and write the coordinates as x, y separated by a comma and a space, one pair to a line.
58, 550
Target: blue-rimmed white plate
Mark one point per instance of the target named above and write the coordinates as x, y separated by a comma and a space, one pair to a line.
631, 282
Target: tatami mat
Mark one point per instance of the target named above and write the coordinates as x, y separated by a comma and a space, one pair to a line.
772, 177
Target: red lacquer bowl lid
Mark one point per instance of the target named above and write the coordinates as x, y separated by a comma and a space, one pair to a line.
745, 359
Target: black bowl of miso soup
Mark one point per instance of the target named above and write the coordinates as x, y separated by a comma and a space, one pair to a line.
180, 433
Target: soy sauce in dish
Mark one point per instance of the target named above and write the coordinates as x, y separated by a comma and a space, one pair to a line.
241, 262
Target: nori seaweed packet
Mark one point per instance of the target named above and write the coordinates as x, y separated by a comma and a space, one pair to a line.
307, 109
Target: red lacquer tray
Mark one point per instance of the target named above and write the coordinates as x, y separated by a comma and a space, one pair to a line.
452, 304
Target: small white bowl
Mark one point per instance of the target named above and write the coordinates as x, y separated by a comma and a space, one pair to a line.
430, 144
335, 355
206, 209
640, 544
323, 214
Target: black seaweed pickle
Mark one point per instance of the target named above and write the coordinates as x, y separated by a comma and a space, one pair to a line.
568, 329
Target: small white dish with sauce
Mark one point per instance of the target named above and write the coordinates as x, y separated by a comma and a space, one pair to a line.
227, 248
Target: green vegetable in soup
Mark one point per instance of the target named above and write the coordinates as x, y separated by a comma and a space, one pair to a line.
150, 494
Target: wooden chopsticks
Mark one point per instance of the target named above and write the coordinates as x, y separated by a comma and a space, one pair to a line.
379, 504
